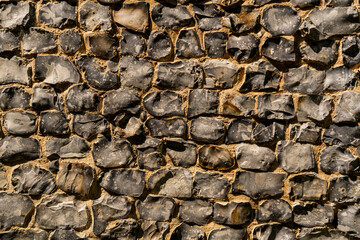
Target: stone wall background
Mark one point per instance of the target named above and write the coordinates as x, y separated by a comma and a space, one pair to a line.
179, 120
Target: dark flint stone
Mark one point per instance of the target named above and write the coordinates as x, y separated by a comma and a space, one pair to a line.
227, 234
136, 73
323, 233
14, 97
132, 128
195, 211
149, 154
314, 108
65, 234
202, 102
244, 20
305, 3
156, 208
182, 153
273, 231
277, 210
57, 15
188, 44
20, 122
350, 49
81, 98
89, 125
74, 147
239, 130
173, 127
234, 104
120, 100
9, 42
340, 78
268, 132
339, 3
233, 213
124, 229
342, 135
70, 41
228, 4
14, 70
159, 45
154, 230
207, 129
220, 73
243, 48
215, 44
26, 234
321, 53
254, 157
16, 15
131, 43
185, 231
215, 158
171, 16
38, 40
102, 45
45, 97
14, 149
313, 214
164, 104
347, 108
306, 133
54, 124
344, 189
348, 220
208, 16
307, 187
337, 159
134, 16
90, 19
219, 185
279, 49
275, 107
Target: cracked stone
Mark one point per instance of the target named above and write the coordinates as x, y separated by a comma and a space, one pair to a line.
120, 100
182, 153
38, 40
45, 97
276, 107
314, 108
313, 214
154, 230
149, 154
70, 41
239, 130
156, 208
342, 135
254, 157
88, 125
81, 98
57, 15
277, 210
347, 109
170, 16
244, 20
202, 102
91, 20
344, 189
268, 132
348, 220
173, 127
210, 185
279, 49
102, 45
164, 104
14, 15
273, 231
208, 16
14, 149
227, 234
340, 78
14, 97
243, 48
67, 234
185, 231
207, 129
123, 229
195, 211
307, 187
306, 133
159, 45
215, 44
136, 73
321, 53
14, 70
134, 16
188, 44
350, 49
74, 147
337, 159
131, 43
233, 213
132, 128
234, 104
20, 122
320, 233
54, 124
215, 158
25, 234
220, 73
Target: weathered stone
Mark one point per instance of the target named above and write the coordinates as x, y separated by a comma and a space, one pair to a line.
321, 233
188, 44
245, 19
207, 129
273, 231
45, 97
185, 231
25, 234
20, 122
173, 127
210, 185
253, 157
136, 73
54, 124
195, 211
233, 213
215, 158
243, 48
102, 45
348, 220
202, 102
239, 130
155, 208
31, 179
61, 211
3, 178
220, 73
260, 76
313, 214
180, 75
70, 41
65, 234
171, 182
320, 53
15, 209
14, 15
131, 43
306, 133
120, 100
277, 210
350, 49
318, 26
268, 132
227, 4
307, 187
38, 40
279, 49
173, 17
182, 153
164, 103
14, 97
74, 147
88, 125
159, 45
134, 16
132, 128
337, 159
341, 135
91, 19
275, 107
344, 189
215, 44
14, 70
305, 3
57, 15
81, 98
14, 149
109, 208
208, 16
313, 108
123, 229
340, 3
347, 109
340, 78
124, 181
304, 80
234, 104
227, 234
149, 154
154, 230
258, 185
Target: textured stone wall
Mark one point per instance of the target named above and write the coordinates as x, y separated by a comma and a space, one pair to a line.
219, 120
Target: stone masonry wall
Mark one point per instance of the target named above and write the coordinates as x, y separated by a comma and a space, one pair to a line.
180, 120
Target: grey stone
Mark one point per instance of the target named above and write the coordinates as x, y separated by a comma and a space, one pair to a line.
268, 132
14, 70
180, 75
313, 214
109, 208
320, 53
215, 158
317, 25
277, 210
243, 48
159, 45
239, 130
337, 159
340, 78
96, 75
233, 213
307, 187
136, 73
134, 16
123, 229
164, 104
45, 97
215, 43
171, 182
15, 15
154, 230
234, 104
279, 49
57, 15
20, 122
15, 209
273, 231
131, 43
14, 149
38, 40
259, 76
313, 108
132, 128
344, 189
346, 109
340, 3
202, 102
25, 234
81, 98
102, 45
185, 231
210, 185
61, 211
74, 147
188, 44
173, 127
169, 16
120, 100
208, 16
124, 181
245, 19
149, 154
258, 185
91, 20
348, 220
3, 178
207, 129
182, 153
14, 97
156, 208
220, 73
275, 107
70, 41
54, 124
350, 49
305, 3
341, 135
227, 4
227, 234
88, 125
254, 157
195, 211
321, 233
65, 234
31, 179
304, 80
306, 133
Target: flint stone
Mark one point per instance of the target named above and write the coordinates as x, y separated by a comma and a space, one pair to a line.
173, 127
243, 48
188, 44
268, 132
253, 157
45, 97
313, 108
208, 16
318, 26
14, 70
54, 124
227, 4
65, 234
91, 20
305, 133
102, 45
195, 211
341, 135
339, 3
273, 231
132, 128
275, 107
20, 122
233, 213
124, 181
259, 76
123, 229
74, 147
344, 189
321, 233
350, 49
277, 210
210, 185
202, 102
81, 98
159, 45
164, 103
258, 185
234, 104
70, 41
89, 125
14, 97
61, 211
134, 16
31, 179
239, 130
180, 75
313, 214
131, 43
9, 43
109, 208
149, 154
171, 182
215, 158
57, 15
136, 73
227, 234
38, 40
245, 19
215, 44
305, 3
337, 159
340, 78
14, 15
182, 153
321, 53
25, 234
279, 49
156, 208
154, 230
304, 80
207, 129
15, 209
347, 109
221, 72
307, 187
120, 100
348, 220
3, 178
185, 231
13, 149
169, 16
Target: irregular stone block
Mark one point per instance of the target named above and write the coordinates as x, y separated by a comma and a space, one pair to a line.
131, 43
243, 48
234, 104
227, 234
91, 20
136, 73
186, 231
254, 157
344, 189
102, 45
220, 73
182, 153
9, 43
127, 229
156, 208
14, 149
3, 178
347, 109
279, 49
307, 187
215, 43
14, 15
70, 41
88, 125
341, 135
305, 3
195, 211
305, 133
67, 234
120, 100
275, 230
164, 104
313, 214
277, 210
149, 154
74, 147
132, 128
57, 15
208, 16
14, 97
25, 234
159, 45
202, 102
14, 70
239, 130
173, 17
215, 158
154, 230
337, 159
81, 98
275, 107
268, 132
320, 53
321, 233
348, 220
233, 213
206, 129
45, 97
20, 122
38, 40
188, 44
210, 185
313, 108
173, 127
350, 49
54, 124
245, 19
134, 16
340, 78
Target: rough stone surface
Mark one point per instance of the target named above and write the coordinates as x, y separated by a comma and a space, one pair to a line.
81, 98
38, 40
254, 157
159, 45
234, 104
16, 15
227, 234
182, 153
343, 189
102, 45
195, 211
337, 159
313, 214
220, 73
91, 20
26, 234
215, 43
14, 149
308, 187
206, 129
239, 130
136, 73
57, 15
320, 53
213, 157
45, 97
341, 135
243, 48
321, 233
210, 185
233, 213
54, 124
339, 78
156, 208
154, 230
120, 99
268, 132
307, 132
277, 210
350, 51
62, 233
70, 41
346, 109
188, 44
89, 125
208, 16
150, 154
14, 97
314, 108
202, 102
20, 122
273, 231
163, 104
13, 70
74, 147
134, 16
348, 220
173, 127
275, 107
173, 17
279, 49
